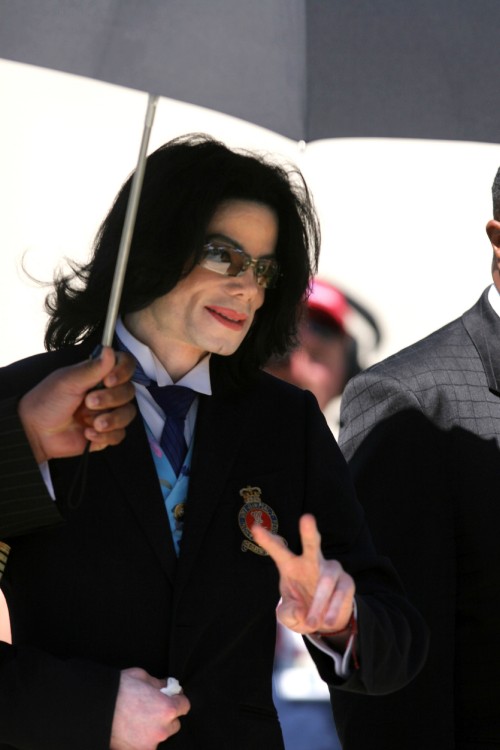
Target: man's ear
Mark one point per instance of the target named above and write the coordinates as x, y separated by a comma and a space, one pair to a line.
493, 232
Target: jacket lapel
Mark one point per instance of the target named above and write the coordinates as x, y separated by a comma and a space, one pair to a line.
219, 431
137, 482
483, 326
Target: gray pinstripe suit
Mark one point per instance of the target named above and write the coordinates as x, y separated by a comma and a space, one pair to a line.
421, 432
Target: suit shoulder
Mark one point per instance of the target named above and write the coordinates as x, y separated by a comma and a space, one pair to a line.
20, 376
267, 381
431, 375
439, 350
274, 387
272, 395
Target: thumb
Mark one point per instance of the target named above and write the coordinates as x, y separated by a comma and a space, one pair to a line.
291, 612
89, 374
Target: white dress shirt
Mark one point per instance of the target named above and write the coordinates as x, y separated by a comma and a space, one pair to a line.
198, 379
494, 299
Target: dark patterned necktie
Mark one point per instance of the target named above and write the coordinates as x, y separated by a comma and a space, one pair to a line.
175, 400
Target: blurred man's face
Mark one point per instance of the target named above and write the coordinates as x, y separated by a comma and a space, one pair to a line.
321, 362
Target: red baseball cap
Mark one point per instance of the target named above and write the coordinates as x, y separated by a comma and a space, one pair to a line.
329, 300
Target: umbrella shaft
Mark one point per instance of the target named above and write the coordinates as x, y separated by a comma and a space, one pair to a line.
128, 227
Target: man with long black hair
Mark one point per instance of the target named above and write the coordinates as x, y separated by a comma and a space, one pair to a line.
175, 548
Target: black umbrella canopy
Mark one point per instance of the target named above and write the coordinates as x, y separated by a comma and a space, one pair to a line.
307, 69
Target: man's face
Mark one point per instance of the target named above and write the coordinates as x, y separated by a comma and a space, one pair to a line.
208, 312
320, 362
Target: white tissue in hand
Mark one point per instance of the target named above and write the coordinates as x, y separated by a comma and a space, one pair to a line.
172, 688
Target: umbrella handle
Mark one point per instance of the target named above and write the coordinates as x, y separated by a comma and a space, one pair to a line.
128, 227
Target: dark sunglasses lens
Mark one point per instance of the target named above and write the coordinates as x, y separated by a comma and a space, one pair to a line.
218, 258
266, 272
231, 261
239, 261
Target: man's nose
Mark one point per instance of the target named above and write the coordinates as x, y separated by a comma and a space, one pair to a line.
248, 281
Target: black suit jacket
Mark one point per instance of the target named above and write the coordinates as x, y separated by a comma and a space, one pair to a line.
421, 432
105, 591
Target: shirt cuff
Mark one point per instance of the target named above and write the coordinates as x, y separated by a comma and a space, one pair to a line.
45, 472
342, 662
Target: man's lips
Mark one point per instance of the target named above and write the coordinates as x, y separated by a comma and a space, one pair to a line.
229, 318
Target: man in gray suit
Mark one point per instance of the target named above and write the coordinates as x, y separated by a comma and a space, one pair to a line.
421, 432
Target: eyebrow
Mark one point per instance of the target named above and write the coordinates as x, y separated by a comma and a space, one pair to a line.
230, 241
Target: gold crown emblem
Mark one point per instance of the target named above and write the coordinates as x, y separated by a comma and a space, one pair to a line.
251, 494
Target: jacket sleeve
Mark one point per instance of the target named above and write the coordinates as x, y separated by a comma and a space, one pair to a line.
399, 462
37, 691
392, 641
51, 704
25, 504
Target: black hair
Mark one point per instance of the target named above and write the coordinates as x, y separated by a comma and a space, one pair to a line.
185, 181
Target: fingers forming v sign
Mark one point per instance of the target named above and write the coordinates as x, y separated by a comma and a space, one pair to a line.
316, 594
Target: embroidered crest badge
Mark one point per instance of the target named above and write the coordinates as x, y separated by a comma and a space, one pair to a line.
255, 511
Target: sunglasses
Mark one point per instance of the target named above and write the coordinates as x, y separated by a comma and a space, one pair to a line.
230, 260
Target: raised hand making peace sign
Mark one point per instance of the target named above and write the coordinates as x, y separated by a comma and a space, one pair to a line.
317, 595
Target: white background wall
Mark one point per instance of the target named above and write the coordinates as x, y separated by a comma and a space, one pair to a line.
403, 221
